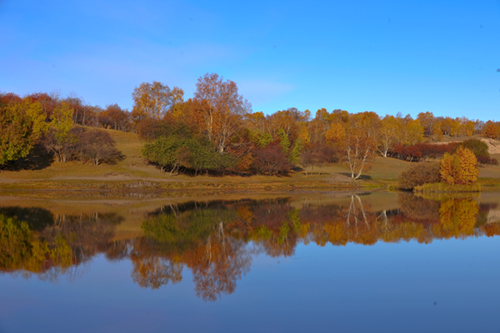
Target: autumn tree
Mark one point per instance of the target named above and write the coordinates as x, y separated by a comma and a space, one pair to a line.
411, 131
21, 125
59, 136
447, 124
83, 114
223, 109
97, 146
459, 168
114, 117
151, 100
389, 134
437, 132
359, 143
318, 126
177, 102
491, 130
48, 102
317, 154
466, 127
271, 160
427, 120
9, 98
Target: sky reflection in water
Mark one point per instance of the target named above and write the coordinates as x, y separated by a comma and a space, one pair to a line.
397, 286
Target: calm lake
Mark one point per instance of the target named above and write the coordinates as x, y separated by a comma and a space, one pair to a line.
241, 262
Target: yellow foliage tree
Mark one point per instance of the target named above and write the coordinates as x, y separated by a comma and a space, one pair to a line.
60, 136
437, 132
21, 125
469, 128
153, 100
335, 133
459, 168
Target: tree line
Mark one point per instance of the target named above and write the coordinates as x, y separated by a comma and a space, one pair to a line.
217, 132
60, 126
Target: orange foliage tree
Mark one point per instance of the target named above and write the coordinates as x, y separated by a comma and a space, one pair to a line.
491, 130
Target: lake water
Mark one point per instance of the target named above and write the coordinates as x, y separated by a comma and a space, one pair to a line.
236, 262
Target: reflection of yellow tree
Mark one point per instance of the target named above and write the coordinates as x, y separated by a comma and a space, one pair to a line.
16, 245
154, 271
20, 248
337, 234
457, 217
395, 232
54, 248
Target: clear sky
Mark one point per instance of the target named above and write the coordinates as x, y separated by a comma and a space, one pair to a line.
357, 55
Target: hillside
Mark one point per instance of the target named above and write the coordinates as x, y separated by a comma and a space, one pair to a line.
132, 171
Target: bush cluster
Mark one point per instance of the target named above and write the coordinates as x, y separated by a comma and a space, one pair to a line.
422, 151
93, 146
188, 154
417, 174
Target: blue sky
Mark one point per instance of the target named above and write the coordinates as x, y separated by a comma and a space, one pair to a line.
382, 56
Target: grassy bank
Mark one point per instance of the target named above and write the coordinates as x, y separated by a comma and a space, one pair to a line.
133, 173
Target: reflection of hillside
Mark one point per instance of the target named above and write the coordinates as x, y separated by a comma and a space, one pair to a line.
216, 240
51, 246
210, 238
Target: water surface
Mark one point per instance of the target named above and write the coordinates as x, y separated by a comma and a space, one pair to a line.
348, 262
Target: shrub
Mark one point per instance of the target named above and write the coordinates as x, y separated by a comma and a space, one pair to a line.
271, 160
422, 151
478, 147
187, 154
486, 160
418, 174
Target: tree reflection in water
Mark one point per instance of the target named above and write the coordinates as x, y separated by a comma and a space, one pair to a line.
217, 240
59, 248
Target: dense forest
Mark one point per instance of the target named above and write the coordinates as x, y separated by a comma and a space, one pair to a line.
217, 132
